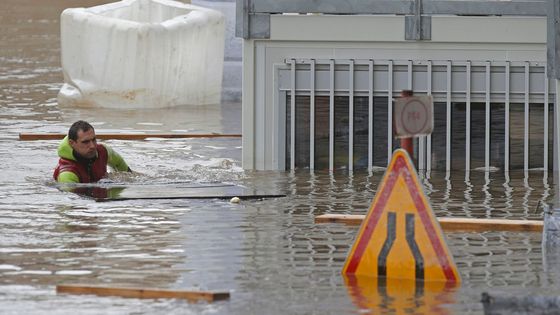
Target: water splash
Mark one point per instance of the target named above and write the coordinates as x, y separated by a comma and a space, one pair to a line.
213, 171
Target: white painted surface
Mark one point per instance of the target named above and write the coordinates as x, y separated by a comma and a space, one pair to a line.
493, 29
341, 37
336, 28
141, 54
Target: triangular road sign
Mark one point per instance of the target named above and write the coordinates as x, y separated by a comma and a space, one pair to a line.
400, 237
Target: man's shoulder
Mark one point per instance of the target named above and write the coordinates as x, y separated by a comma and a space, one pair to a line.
67, 171
64, 162
66, 165
104, 149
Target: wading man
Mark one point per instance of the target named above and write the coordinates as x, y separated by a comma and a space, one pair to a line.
82, 160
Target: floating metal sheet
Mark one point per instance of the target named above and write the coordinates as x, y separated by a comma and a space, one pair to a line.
104, 192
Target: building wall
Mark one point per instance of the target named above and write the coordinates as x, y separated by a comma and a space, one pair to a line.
454, 38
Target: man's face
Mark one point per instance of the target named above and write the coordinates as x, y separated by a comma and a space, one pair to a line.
86, 143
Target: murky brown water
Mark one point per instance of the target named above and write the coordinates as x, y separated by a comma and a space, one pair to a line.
269, 254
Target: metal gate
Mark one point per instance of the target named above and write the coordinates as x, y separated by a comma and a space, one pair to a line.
500, 107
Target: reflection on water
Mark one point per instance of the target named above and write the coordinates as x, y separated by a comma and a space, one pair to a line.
268, 252
398, 296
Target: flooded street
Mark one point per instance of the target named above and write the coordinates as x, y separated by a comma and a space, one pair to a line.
269, 254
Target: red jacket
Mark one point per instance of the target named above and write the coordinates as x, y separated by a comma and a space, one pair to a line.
89, 171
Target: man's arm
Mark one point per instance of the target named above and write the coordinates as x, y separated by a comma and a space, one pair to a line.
68, 177
115, 160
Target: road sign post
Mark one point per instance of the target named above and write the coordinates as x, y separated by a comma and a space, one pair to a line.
406, 142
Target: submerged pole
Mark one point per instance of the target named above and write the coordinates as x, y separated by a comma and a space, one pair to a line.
551, 232
556, 145
553, 73
406, 143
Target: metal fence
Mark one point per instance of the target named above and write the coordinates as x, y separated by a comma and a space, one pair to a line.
506, 97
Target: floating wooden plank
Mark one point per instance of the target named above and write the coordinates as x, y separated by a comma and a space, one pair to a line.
480, 225
350, 219
125, 136
450, 224
192, 296
103, 192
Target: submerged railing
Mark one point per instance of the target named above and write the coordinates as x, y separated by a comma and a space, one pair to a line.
495, 114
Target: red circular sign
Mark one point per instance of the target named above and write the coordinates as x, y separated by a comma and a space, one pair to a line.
414, 117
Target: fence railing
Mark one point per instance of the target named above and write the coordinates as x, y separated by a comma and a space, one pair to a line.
497, 113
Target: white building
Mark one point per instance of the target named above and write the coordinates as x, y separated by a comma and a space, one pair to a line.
484, 62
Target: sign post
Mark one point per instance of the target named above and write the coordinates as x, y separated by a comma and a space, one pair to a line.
553, 73
551, 234
406, 142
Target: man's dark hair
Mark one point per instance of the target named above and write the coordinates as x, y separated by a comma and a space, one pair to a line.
76, 127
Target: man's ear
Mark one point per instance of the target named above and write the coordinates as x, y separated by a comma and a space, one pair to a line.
72, 143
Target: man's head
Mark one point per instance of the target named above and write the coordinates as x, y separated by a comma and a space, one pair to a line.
81, 137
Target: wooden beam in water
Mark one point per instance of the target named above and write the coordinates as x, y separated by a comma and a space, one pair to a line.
126, 136
192, 296
480, 225
450, 224
350, 219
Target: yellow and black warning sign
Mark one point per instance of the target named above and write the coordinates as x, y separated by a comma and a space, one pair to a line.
400, 237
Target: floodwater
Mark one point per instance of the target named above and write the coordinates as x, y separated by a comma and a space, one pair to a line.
269, 254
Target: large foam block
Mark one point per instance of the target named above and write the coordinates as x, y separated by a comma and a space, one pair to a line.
141, 54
